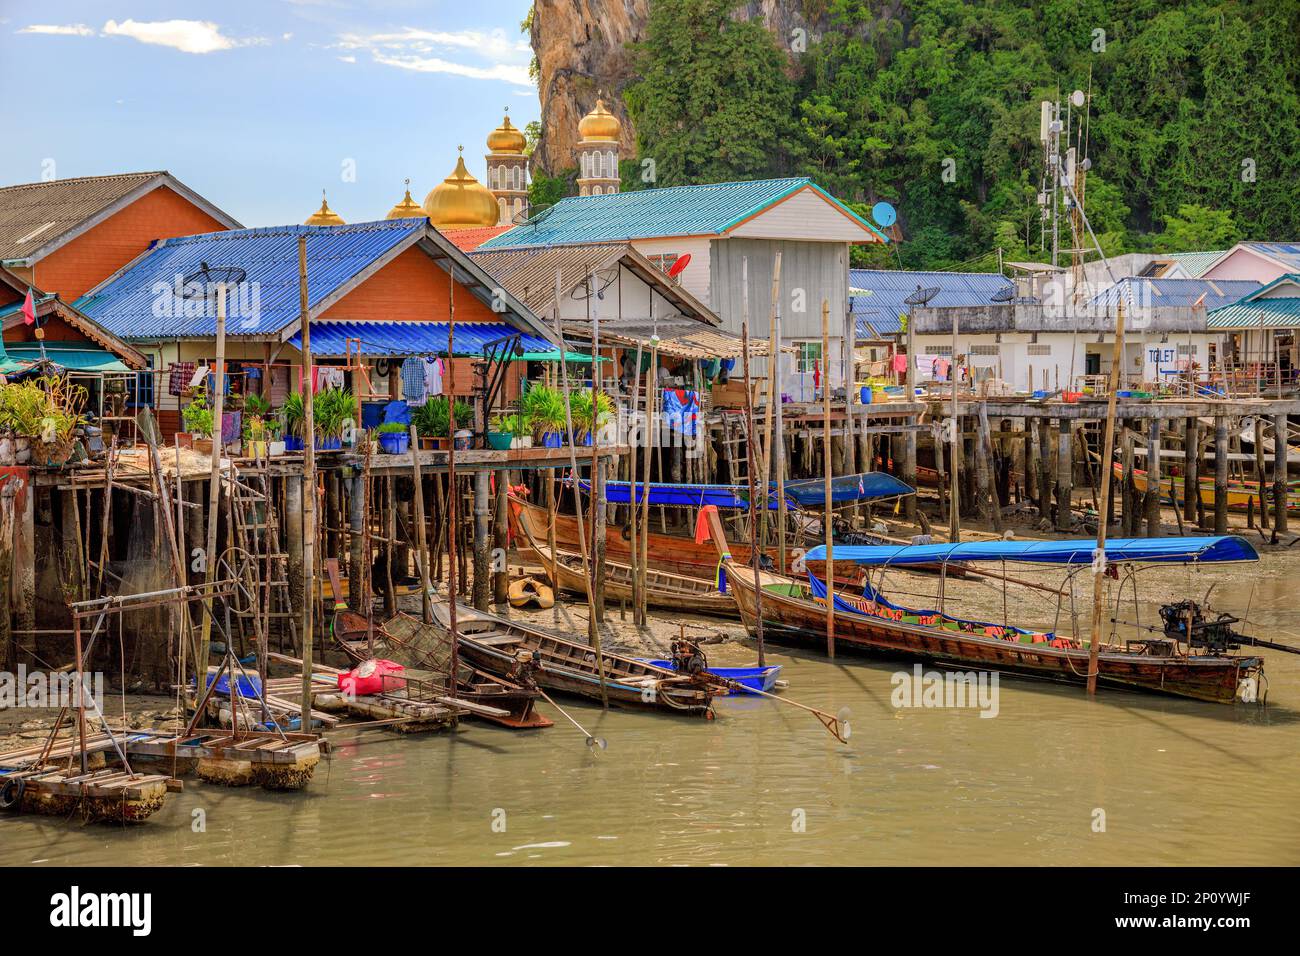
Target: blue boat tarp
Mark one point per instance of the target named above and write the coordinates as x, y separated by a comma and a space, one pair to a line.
868, 486
1076, 551
682, 496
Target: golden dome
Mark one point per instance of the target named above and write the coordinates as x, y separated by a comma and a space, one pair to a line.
461, 201
324, 216
600, 125
506, 138
408, 208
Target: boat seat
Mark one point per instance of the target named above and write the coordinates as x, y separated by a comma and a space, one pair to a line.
494, 638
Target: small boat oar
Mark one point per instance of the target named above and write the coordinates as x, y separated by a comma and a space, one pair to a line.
592, 742
832, 724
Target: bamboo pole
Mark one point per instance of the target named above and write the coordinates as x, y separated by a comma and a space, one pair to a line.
593, 622
754, 552
772, 395
826, 455
645, 475
597, 582
214, 490
1107, 452
421, 542
782, 514
635, 550
453, 494
954, 503
308, 491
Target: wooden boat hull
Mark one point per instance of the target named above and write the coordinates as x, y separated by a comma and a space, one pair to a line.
1240, 494
803, 621
671, 553
568, 667
663, 589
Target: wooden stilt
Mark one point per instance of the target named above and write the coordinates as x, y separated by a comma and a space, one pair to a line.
1153, 479
1064, 474
1220, 474
1280, 444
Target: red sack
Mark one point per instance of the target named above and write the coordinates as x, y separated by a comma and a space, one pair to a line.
372, 677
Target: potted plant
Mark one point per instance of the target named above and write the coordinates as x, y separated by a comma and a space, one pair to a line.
255, 436
510, 431
394, 438
293, 415
433, 421
332, 409
544, 407
197, 419
585, 419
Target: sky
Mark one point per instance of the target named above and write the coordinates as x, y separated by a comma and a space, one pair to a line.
258, 106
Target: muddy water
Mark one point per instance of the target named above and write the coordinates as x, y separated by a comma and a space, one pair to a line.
1178, 782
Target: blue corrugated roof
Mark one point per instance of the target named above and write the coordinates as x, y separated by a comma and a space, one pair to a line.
1288, 253
889, 287
329, 339
709, 209
1154, 293
139, 303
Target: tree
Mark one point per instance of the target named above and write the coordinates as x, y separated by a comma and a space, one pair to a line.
1197, 229
713, 102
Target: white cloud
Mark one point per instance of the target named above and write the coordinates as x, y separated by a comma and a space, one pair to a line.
64, 30
348, 59
426, 51
188, 36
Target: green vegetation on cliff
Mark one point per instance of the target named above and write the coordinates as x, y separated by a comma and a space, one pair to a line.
1194, 122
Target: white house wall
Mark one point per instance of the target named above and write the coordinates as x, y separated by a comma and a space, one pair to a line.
804, 215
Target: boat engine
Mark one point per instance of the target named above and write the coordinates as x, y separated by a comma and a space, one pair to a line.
1185, 622
688, 658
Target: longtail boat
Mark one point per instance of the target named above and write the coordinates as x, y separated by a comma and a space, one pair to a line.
1240, 492
663, 588
409, 641
795, 610
494, 644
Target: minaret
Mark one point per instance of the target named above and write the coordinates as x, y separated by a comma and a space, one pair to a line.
507, 172
324, 216
598, 152
408, 208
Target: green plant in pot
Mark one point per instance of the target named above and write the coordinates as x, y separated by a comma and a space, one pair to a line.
293, 418
589, 416
332, 410
510, 431
394, 438
544, 408
197, 419
433, 419
255, 435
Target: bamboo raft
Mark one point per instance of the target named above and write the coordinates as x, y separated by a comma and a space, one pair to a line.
568, 667
98, 796
790, 611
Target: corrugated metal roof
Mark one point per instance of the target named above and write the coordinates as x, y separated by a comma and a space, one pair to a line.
1271, 313
467, 240
34, 214
139, 302
878, 313
709, 209
329, 339
1195, 262
1154, 293
1287, 253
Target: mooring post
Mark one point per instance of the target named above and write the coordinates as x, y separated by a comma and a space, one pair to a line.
482, 540
293, 532
1128, 494
598, 535
909, 465
1153, 479
1191, 476
358, 562
1280, 445
1220, 474
8, 650
1045, 468
1064, 473
500, 541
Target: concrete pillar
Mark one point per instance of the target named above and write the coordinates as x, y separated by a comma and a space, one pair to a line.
1064, 474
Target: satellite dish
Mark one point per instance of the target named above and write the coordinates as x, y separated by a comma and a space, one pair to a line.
921, 296
1077, 98
1004, 294
677, 267
540, 216
884, 214
600, 281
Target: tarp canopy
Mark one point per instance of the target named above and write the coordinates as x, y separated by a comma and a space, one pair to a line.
1076, 551
682, 496
576, 358
81, 358
869, 485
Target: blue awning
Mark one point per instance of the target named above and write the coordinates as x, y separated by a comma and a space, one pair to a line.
1078, 551
393, 338
868, 486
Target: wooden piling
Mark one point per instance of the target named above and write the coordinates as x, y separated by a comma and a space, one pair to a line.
501, 541
1280, 445
1220, 474
8, 495
1064, 474
1153, 479
1045, 468
482, 540
421, 542
1191, 473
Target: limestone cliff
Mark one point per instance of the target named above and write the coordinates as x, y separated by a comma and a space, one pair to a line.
581, 48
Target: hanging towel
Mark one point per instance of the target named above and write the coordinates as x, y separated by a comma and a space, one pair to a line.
900, 362
433, 372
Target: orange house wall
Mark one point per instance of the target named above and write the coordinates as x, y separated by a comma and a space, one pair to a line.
83, 263
411, 288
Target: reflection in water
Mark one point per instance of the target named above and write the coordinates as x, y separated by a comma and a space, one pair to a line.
1179, 782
